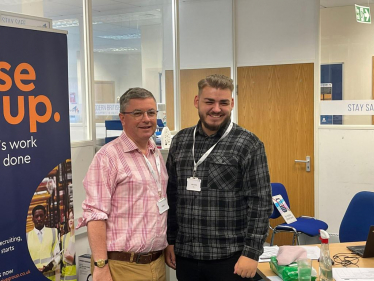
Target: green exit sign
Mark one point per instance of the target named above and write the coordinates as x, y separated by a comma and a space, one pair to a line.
363, 14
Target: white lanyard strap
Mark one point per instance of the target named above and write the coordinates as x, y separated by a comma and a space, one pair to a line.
153, 173
206, 154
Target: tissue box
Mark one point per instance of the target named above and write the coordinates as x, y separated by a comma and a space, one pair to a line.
84, 269
287, 272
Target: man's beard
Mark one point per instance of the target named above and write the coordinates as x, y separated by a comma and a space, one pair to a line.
214, 128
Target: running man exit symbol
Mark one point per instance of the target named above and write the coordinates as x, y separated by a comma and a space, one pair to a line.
363, 14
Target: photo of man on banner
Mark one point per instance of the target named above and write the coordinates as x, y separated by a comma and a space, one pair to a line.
43, 244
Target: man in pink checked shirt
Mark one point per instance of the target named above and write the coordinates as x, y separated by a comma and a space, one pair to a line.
126, 208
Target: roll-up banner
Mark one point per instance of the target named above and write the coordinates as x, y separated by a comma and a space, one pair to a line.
36, 206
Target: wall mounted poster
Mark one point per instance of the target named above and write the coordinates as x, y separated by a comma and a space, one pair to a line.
37, 222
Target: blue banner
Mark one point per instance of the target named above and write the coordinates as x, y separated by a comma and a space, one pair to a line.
35, 166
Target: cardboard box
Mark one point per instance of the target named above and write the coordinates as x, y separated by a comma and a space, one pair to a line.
84, 270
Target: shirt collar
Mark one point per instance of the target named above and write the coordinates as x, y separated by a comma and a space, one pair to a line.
37, 230
129, 145
220, 132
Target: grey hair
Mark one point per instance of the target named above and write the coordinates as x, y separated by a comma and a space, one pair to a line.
217, 81
134, 93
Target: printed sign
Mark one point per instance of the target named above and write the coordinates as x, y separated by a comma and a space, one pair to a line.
347, 107
363, 14
37, 227
326, 91
326, 119
283, 209
107, 109
25, 20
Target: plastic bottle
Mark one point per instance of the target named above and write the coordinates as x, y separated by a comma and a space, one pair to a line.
325, 264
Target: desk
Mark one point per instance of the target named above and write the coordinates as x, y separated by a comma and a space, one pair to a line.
265, 271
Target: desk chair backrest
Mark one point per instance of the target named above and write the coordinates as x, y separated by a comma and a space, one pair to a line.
358, 218
279, 189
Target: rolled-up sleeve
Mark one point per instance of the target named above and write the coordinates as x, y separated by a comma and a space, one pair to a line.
99, 184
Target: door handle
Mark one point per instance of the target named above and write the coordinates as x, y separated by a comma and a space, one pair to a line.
307, 162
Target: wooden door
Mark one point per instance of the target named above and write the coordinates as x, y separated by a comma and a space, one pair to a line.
276, 103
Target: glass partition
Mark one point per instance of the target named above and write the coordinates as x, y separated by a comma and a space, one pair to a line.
128, 47
67, 16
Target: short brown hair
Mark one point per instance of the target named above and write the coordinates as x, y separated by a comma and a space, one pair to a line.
134, 93
217, 81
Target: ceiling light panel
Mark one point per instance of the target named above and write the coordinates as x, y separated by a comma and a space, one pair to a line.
128, 17
119, 49
121, 37
65, 23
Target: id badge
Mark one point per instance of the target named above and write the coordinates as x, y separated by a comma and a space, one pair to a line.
194, 184
162, 205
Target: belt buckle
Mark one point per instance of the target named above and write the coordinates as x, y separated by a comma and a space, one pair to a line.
140, 255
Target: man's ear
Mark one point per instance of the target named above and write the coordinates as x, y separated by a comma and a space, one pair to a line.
196, 101
122, 118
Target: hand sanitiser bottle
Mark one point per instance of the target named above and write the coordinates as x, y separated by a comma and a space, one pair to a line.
325, 264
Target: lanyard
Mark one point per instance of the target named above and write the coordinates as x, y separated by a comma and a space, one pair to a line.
206, 154
153, 173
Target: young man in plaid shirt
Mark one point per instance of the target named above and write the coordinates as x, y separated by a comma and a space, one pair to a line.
219, 192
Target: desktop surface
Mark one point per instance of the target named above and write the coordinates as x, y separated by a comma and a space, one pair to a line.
265, 271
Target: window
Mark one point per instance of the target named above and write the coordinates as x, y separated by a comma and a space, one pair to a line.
128, 52
65, 15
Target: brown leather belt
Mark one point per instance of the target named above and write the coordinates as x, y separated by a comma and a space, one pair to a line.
134, 257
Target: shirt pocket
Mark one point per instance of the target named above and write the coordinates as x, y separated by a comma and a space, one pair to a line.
223, 172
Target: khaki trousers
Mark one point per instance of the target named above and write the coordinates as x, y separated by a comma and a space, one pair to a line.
130, 271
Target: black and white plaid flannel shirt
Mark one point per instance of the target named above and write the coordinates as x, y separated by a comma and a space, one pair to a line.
231, 212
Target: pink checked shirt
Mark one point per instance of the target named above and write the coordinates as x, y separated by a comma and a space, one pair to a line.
120, 189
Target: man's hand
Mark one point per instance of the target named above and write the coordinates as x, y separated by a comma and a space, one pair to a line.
102, 274
245, 267
170, 257
69, 258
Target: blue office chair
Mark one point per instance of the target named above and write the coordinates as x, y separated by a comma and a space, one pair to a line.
358, 218
307, 225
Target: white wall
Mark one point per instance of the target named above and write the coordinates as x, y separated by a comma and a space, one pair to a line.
345, 168
343, 40
345, 156
151, 58
205, 35
276, 32
81, 157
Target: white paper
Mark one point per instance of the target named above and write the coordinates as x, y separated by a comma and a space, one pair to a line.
312, 252
353, 274
193, 184
283, 209
269, 251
